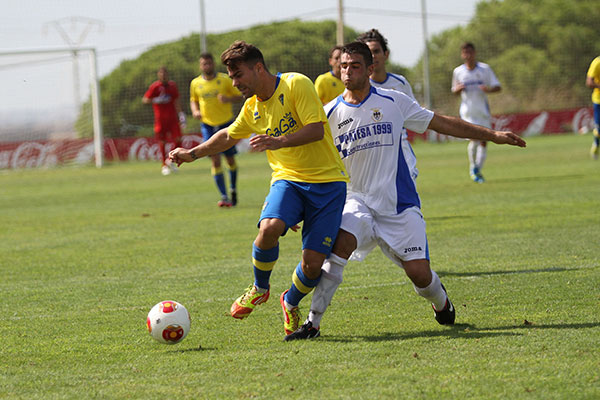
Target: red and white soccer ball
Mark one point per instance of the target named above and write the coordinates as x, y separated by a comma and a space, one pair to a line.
168, 322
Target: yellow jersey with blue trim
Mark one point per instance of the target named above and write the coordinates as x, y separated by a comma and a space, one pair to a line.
205, 93
293, 105
328, 87
594, 72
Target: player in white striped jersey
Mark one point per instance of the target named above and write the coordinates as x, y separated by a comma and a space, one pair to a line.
472, 80
382, 205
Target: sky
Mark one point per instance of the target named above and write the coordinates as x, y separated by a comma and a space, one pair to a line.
123, 29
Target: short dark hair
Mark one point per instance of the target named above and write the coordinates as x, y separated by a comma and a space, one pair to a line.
242, 52
333, 49
467, 45
374, 36
359, 48
206, 56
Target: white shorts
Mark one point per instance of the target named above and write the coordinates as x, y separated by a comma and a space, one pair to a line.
401, 237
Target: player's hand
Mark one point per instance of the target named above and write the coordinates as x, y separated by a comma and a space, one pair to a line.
459, 87
295, 228
508, 137
264, 142
182, 120
221, 98
180, 155
196, 114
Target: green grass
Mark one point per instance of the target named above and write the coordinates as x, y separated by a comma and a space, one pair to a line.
85, 254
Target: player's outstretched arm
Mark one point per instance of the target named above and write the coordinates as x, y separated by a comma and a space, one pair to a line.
458, 128
218, 143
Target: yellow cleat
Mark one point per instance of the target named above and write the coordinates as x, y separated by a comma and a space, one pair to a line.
291, 317
244, 305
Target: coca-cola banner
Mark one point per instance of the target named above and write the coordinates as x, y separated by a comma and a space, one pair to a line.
35, 154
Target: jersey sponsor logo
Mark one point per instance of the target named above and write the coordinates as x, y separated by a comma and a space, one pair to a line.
345, 122
377, 115
286, 124
364, 137
411, 249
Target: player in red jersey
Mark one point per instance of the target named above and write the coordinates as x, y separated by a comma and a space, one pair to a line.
168, 117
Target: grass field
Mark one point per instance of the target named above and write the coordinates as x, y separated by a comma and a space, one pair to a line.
85, 254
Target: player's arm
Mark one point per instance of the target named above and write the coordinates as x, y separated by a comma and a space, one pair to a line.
490, 89
229, 99
307, 134
458, 128
218, 143
591, 83
195, 107
146, 100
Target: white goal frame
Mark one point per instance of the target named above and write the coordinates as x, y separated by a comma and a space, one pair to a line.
94, 90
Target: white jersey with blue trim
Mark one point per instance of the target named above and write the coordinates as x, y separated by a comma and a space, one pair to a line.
474, 107
395, 82
369, 139
400, 84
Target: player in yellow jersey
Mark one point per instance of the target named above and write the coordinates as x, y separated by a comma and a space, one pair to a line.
328, 85
593, 81
308, 181
211, 100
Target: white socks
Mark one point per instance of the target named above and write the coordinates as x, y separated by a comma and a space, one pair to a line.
433, 292
477, 154
333, 269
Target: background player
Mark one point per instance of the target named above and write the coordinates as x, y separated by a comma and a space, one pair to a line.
593, 81
168, 117
329, 85
382, 205
473, 80
211, 100
308, 182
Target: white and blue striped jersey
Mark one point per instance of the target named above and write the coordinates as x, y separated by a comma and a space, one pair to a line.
474, 107
369, 139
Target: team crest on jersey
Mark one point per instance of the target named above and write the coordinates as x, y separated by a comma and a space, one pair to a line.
256, 115
281, 98
377, 116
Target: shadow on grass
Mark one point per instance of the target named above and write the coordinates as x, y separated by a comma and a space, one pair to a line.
505, 272
193, 349
458, 331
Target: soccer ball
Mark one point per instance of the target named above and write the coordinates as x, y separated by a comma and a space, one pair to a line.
168, 322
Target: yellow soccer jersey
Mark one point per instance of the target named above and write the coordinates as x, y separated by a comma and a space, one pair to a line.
205, 93
328, 87
594, 72
293, 105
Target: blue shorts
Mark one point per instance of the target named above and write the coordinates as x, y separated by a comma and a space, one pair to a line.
209, 130
319, 205
597, 115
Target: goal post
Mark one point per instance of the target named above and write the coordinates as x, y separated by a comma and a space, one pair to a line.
24, 59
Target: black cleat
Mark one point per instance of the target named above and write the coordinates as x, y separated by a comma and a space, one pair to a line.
447, 315
233, 197
306, 331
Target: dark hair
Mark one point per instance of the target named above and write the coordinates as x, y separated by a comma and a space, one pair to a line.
333, 49
242, 52
206, 56
374, 36
467, 45
359, 48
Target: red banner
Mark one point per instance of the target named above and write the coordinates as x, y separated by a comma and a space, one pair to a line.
35, 154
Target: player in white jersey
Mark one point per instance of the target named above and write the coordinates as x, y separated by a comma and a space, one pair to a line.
382, 79
473, 80
382, 205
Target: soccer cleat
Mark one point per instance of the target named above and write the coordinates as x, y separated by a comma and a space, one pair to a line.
448, 314
165, 170
476, 176
244, 305
233, 197
291, 318
306, 331
594, 151
224, 202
